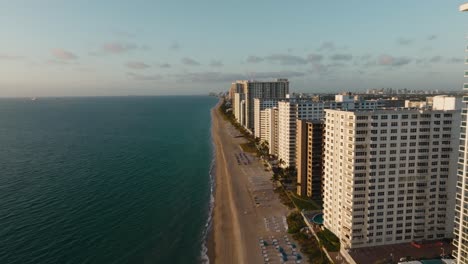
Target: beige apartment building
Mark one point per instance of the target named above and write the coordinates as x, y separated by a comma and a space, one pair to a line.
289, 111
460, 240
389, 175
262, 116
309, 157
238, 106
270, 132
308, 109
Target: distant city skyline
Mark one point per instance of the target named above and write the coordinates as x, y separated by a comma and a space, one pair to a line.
84, 48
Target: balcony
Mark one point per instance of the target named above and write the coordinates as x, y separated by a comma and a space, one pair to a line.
419, 221
346, 229
347, 217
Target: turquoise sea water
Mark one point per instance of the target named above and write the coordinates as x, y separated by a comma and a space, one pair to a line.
104, 180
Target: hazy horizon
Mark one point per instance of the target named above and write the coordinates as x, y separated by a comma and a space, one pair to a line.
119, 48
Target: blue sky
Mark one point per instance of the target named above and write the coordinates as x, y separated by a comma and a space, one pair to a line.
76, 48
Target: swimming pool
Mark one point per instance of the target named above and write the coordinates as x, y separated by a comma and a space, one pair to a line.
318, 219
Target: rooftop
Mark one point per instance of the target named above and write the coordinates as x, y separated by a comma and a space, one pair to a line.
399, 251
464, 7
391, 109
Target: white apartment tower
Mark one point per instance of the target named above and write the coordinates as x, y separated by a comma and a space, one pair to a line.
307, 109
272, 134
238, 105
288, 112
236, 100
261, 116
389, 175
460, 240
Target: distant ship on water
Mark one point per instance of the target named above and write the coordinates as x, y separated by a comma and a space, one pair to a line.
33, 98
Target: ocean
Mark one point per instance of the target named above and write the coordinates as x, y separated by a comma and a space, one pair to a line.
105, 180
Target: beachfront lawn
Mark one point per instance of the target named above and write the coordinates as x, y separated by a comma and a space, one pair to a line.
305, 204
329, 240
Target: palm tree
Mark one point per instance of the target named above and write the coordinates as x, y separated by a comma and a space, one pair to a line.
281, 162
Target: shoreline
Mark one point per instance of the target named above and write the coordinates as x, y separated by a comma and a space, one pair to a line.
246, 208
207, 244
209, 256
209, 240
224, 239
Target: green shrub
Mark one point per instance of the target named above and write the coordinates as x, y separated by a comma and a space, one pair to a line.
305, 203
329, 240
311, 249
295, 222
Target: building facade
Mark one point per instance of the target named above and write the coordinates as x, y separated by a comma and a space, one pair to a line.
309, 157
238, 106
235, 88
278, 89
460, 240
261, 116
389, 175
308, 109
288, 113
271, 133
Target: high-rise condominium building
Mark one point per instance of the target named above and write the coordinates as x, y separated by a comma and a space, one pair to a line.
389, 175
309, 143
308, 109
288, 112
261, 116
272, 133
264, 90
235, 88
238, 106
309, 158
461, 208
269, 129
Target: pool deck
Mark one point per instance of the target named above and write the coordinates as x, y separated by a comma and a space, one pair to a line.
312, 214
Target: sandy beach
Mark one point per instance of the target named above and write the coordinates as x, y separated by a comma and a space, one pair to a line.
246, 208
